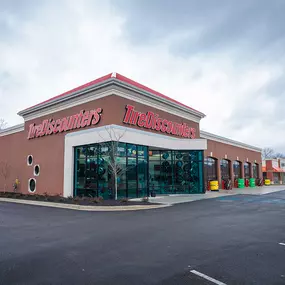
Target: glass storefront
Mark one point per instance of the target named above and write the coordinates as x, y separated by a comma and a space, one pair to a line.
139, 169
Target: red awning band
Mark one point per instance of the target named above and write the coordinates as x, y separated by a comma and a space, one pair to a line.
275, 169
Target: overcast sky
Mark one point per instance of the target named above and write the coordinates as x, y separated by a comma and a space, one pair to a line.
224, 58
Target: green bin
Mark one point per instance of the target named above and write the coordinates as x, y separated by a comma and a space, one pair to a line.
241, 183
252, 182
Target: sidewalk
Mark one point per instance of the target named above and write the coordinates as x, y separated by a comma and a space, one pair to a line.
163, 200
177, 199
257, 190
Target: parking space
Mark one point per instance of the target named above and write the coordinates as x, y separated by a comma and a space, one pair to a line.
228, 239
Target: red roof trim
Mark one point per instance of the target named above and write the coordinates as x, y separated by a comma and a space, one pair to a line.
278, 169
274, 169
118, 77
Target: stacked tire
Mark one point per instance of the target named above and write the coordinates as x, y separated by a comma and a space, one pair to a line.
241, 183
214, 185
252, 182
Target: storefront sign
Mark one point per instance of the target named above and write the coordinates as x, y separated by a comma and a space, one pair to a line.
77, 121
152, 121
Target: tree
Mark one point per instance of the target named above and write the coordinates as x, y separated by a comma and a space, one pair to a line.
3, 124
115, 167
270, 153
267, 153
5, 172
279, 155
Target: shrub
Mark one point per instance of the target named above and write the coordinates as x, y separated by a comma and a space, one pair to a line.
37, 197
124, 200
96, 200
76, 200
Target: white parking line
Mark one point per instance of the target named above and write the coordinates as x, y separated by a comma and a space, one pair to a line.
281, 243
207, 277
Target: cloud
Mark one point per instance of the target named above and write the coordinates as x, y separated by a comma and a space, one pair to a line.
205, 25
224, 58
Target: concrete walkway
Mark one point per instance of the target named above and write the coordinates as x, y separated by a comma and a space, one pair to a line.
177, 199
84, 208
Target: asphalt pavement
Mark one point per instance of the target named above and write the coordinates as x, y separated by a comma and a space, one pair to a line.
233, 240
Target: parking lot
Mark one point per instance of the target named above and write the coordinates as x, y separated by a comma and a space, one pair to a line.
234, 239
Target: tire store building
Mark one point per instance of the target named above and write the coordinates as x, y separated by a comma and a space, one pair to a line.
116, 135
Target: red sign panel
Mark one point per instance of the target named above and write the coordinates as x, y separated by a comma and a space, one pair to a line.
152, 121
77, 121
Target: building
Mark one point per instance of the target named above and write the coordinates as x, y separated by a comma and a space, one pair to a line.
274, 170
64, 145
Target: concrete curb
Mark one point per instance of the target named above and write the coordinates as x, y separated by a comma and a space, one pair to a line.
84, 208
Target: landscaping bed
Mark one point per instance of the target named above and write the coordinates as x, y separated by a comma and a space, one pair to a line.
85, 201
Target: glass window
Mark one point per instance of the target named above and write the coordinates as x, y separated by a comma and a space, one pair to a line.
80, 166
142, 171
142, 152
246, 167
196, 171
166, 171
104, 170
181, 172
211, 168
121, 149
225, 169
132, 150
237, 169
154, 155
132, 170
154, 175
91, 170
255, 170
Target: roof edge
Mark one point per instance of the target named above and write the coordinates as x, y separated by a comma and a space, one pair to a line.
12, 130
225, 140
105, 81
60, 98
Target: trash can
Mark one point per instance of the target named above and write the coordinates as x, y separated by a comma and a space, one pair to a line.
214, 185
241, 183
252, 182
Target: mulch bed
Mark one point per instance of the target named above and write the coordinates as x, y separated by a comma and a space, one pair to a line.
86, 201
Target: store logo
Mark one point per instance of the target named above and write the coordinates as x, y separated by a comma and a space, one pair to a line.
152, 121
77, 121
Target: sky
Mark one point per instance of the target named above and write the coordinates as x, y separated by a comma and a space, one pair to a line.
225, 58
